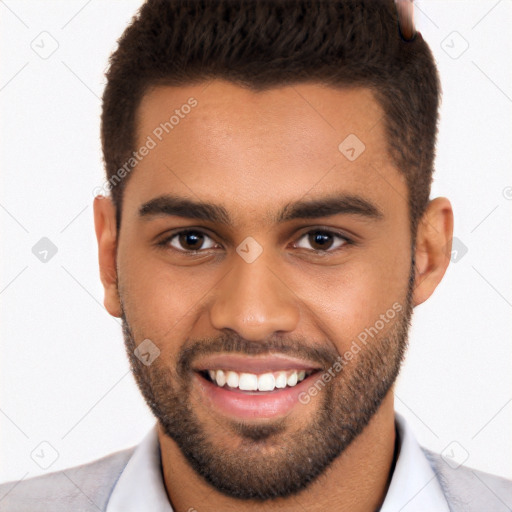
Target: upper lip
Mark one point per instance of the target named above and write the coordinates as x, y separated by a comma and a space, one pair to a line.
253, 364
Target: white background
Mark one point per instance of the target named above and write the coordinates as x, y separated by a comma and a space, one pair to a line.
64, 374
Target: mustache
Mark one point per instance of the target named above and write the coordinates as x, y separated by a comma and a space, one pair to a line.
322, 355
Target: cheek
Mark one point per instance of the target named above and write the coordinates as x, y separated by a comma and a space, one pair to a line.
343, 301
161, 302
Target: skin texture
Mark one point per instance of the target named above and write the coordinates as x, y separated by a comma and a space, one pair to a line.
252, 153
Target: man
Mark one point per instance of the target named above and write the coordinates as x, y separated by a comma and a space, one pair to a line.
291, 144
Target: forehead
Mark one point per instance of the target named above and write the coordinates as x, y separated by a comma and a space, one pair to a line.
219, 140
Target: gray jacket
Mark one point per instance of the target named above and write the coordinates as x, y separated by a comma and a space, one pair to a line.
87, 488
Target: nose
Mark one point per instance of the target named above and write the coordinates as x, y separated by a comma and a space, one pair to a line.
253, 301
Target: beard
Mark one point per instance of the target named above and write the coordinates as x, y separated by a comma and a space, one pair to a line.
270, 460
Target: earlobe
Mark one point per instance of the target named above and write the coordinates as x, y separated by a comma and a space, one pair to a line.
106, 234
433, 248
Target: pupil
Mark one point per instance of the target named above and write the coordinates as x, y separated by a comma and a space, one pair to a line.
192, 239
320, 239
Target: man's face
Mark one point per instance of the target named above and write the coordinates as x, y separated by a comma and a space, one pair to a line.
255, 298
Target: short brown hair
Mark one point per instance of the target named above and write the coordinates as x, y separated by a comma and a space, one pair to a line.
260, 44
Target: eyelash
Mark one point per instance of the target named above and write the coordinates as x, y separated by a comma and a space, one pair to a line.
165, 243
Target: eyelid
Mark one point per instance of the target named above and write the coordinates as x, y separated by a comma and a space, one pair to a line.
330, 231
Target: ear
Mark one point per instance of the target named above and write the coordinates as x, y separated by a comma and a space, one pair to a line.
105, 225
433, 248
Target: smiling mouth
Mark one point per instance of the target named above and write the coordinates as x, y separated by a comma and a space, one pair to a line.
255, 382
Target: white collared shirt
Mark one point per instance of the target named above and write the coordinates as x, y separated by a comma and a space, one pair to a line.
413, 488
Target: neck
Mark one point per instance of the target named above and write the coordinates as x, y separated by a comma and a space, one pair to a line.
356, 481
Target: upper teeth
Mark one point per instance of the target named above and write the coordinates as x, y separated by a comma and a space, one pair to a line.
257, 382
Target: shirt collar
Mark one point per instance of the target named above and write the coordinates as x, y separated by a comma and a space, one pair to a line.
413, 487
141, 484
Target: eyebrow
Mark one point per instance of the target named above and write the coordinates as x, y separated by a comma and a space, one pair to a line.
304, 209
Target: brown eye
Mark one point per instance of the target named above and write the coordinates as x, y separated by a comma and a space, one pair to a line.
188, 241
321, 240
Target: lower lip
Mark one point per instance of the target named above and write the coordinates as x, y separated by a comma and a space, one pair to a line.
253, 404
